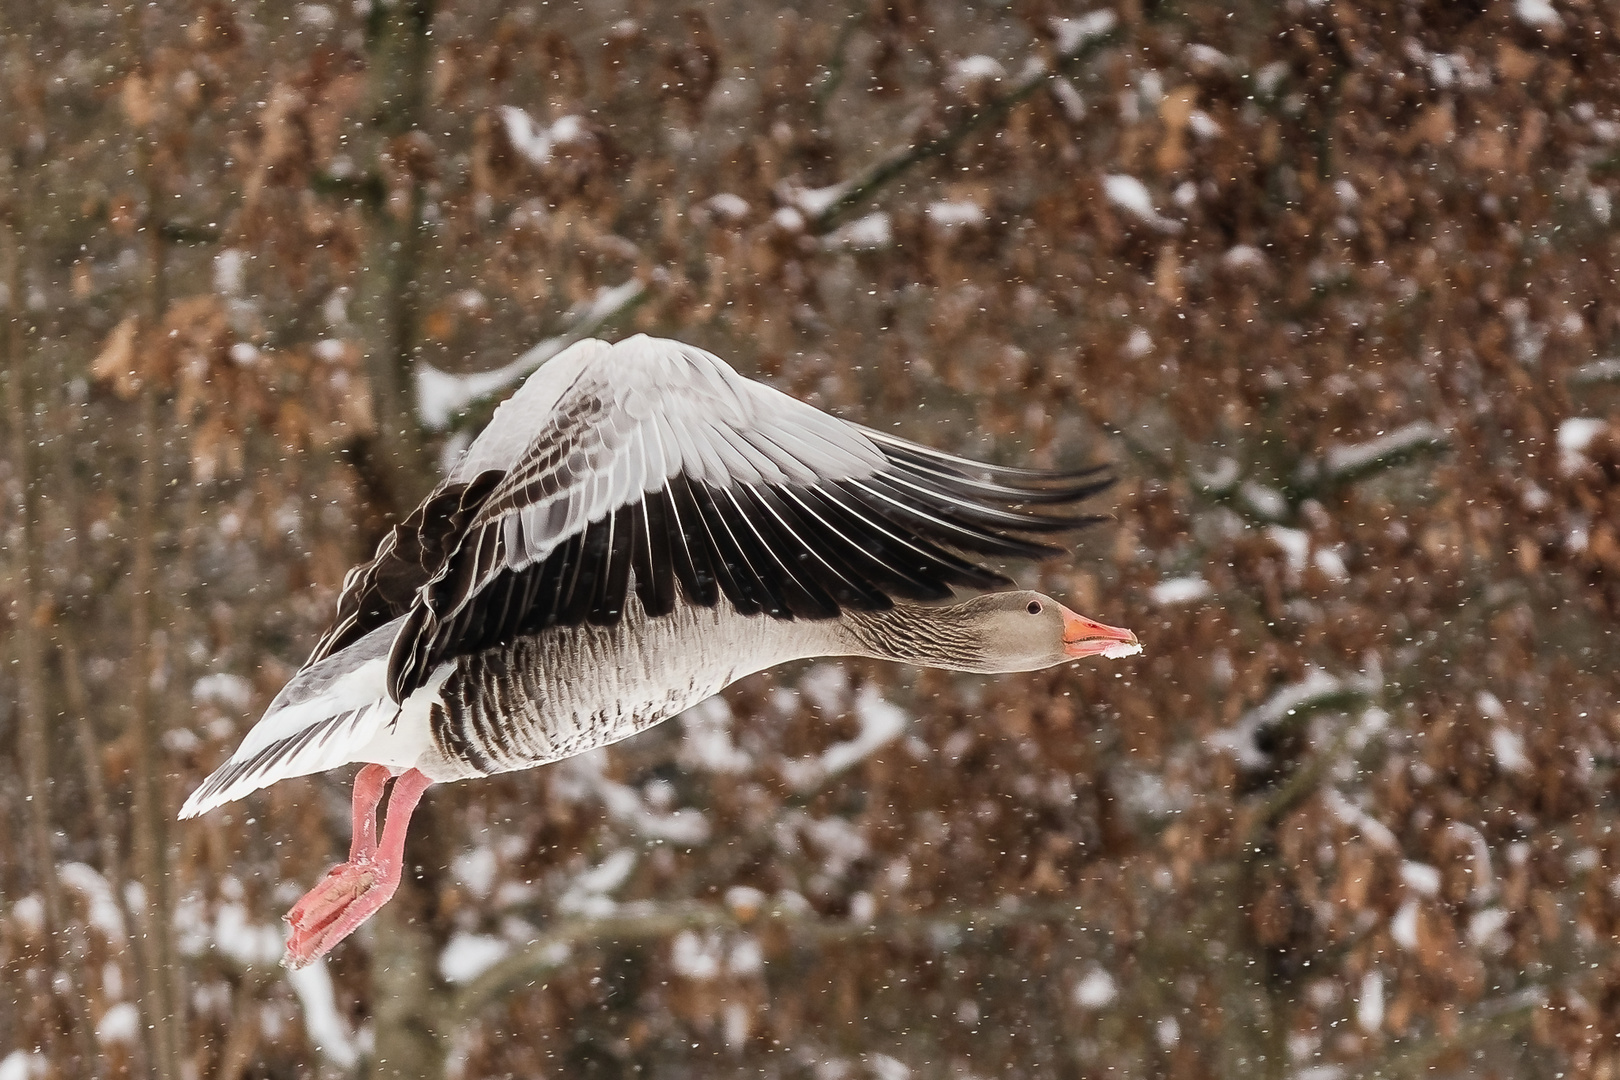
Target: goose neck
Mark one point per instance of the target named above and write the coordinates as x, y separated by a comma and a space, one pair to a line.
943, 637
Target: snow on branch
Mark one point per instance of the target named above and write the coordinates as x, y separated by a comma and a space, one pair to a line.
881, 723
326, 1028
1317, 692
1132, 196
441, 396
1078, 41
101, 903
629, 807
625, 805
1074, 34
1340, 465
588, 893
1604, 372
1415, 1055
1574, 436
646, 923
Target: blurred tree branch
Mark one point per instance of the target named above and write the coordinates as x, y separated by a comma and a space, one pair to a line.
457, 408
803, 927
1416, 1057
878, 175
834, 76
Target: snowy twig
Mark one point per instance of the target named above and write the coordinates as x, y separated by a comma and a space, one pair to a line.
552, 950
1492, 1020
856, 191
881, 723
1341, 465
1305, 779
441, 396
1598, 373
326, 1028
1317, 692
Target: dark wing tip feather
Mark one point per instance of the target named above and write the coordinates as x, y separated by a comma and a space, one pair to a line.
988, 509
897, 449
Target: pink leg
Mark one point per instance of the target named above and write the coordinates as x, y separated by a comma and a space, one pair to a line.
351, 893
368, 792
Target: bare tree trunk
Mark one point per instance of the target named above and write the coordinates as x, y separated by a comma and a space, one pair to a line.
68, 635
33, 603
154, 922
395, 463
95, 782
407, 1002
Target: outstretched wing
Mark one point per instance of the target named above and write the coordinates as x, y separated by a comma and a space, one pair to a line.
655, 460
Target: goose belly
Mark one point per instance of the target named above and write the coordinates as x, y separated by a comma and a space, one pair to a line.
571, 689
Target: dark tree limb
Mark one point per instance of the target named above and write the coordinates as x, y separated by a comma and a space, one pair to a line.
878, 175
553, 950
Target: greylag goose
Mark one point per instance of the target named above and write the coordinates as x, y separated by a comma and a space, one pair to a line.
638, 527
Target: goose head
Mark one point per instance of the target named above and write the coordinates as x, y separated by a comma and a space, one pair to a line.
1027, 631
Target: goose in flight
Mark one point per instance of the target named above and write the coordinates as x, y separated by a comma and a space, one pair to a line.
638, 527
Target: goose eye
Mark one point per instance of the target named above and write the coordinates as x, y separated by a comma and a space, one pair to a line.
1034, 607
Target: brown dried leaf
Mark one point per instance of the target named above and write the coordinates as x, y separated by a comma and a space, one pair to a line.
137, 100
1174, 111
115, 363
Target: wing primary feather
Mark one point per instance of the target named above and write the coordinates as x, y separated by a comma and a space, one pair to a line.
409, 641
736, 578
641, 557
918, 550
660, 541
894, 443
1072, 488
909, 490
600, 610
616, 582
517, 593
582, 585
917, 455
818, 554
848, 549
811, 449
891, 563
797, 567
534, 595
976, 529
956, 533
655, 569
692, 557
668, 530
561, 570
757, 564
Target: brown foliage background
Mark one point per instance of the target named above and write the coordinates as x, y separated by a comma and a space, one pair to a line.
1332, 284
